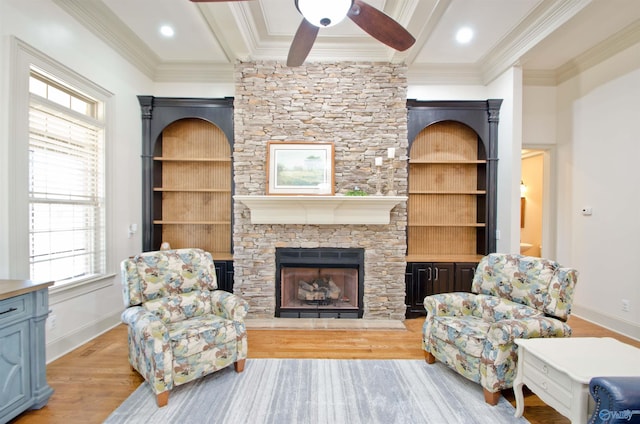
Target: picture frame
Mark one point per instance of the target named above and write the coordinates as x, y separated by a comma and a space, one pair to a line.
300, 168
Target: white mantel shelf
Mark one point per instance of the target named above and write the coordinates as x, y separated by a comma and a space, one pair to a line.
325, 210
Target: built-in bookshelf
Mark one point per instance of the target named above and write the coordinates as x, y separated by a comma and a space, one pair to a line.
447, 191
192, 187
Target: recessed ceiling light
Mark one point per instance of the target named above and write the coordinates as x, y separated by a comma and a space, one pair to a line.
464, 35
167, 31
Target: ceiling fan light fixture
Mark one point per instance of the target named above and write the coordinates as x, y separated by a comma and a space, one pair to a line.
324, 13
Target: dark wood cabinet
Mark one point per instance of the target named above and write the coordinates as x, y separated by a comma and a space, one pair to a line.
424, 279
427, 278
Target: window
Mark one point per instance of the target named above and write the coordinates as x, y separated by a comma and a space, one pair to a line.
67, 237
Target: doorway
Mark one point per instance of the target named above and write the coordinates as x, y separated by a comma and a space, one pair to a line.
536, 203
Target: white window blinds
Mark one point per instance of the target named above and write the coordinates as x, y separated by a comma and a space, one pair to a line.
66, 185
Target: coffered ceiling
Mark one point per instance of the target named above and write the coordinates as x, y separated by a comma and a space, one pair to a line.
549, 39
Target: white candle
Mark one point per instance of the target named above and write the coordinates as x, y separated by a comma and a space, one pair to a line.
391, 152
378, 161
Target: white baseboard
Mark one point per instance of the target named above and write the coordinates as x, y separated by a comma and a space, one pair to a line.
63, 345
623, 327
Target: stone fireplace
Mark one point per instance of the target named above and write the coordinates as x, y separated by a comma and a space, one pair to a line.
361, 108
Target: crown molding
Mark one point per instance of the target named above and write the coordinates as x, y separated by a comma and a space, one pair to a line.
539, 77
622, 40
625, 38
101, 21
547, 17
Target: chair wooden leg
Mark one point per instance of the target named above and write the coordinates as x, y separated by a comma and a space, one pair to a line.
162, 398
239, 365
428, 356
490, 397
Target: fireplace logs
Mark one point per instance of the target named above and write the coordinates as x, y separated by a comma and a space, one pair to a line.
321, 290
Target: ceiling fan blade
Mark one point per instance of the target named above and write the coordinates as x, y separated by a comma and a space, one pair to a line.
380, 26
302, 43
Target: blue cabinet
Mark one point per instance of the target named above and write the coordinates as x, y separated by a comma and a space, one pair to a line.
24, 307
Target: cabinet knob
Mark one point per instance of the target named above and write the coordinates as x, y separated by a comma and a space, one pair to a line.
545, 369
545, 386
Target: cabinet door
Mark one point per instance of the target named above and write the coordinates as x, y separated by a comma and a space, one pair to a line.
224, 274
464, 276
418, 287
15, 387
442, 278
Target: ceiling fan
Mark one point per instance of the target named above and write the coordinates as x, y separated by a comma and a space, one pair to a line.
319, 14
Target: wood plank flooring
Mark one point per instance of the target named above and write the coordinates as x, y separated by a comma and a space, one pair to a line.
91, 381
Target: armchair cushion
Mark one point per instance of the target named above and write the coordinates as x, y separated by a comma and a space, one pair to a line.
540, 283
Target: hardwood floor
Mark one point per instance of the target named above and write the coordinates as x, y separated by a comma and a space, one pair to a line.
94, 379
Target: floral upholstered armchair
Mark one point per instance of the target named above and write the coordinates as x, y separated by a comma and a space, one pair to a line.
179, 326
513, 296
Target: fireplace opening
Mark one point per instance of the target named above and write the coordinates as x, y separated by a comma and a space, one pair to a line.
319, 283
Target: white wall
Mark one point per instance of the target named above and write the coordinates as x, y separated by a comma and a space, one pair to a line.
598, 137
43, 26
539, 115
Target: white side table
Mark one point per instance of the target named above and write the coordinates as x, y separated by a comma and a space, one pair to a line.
558, 370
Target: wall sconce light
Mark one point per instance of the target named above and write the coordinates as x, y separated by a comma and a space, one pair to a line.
523, 189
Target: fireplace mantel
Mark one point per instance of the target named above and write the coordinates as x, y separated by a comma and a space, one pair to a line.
326, 210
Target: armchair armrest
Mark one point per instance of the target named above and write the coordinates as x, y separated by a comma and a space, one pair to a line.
506, 331
617, 399
450, 304
149, 348
228, 305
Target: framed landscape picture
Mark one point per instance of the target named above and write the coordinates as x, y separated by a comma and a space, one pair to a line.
300, 168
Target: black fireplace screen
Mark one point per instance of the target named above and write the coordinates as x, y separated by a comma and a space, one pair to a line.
325, 282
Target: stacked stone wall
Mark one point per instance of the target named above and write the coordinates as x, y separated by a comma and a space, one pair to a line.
361, 108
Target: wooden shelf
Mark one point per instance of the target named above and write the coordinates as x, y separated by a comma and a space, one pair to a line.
168, 159
443, 258
194, 190
162, 222
432, 192
457, 224
222, 256
445, 162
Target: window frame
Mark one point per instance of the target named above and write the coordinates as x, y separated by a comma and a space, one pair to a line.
24, 58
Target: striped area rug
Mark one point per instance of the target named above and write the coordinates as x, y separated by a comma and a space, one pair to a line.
319, 391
